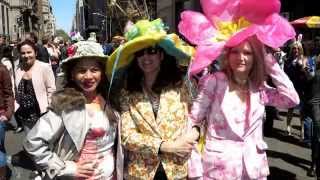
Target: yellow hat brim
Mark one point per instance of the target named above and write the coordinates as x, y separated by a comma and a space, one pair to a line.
126, 52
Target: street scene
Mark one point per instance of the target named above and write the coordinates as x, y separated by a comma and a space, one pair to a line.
159, 90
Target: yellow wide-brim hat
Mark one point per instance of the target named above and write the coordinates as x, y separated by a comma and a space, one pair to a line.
144, 34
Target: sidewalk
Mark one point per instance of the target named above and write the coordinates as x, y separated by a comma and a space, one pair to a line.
289, 158
13, 144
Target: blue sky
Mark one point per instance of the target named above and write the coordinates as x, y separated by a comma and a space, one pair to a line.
63, 11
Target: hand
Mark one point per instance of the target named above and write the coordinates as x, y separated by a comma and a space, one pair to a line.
3, 118
181, 147
86, 168
269, 61
193, 134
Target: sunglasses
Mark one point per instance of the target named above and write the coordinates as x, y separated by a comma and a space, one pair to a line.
149, 50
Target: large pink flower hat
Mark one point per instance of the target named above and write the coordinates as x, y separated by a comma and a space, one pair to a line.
226, 23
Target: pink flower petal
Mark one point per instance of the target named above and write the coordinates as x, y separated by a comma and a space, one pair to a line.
196, 28
204, 56
224, 9
256, 12
270, 28
242, 35
277, 32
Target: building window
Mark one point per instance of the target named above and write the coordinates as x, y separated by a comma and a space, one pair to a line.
3, 20
8, 20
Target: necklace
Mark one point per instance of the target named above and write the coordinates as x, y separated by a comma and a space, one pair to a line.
240, 85
239, 81
96, 100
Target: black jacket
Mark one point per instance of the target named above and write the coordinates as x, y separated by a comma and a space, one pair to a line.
42, 54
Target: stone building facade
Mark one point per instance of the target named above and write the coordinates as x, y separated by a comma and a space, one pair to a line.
17, 17
4, 17
47, 20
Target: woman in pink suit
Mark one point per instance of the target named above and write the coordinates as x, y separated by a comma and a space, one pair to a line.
232, 102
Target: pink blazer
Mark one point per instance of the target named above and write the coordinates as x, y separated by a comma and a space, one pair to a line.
43, 83
232, 151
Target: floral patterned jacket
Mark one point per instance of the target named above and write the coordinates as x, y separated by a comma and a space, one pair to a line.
233, 151
142, 132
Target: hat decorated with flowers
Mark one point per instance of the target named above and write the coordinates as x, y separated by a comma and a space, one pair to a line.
88, 50
226, 23
76, 37
143, 34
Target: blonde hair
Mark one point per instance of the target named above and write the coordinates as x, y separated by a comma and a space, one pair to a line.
257, 74
300, 49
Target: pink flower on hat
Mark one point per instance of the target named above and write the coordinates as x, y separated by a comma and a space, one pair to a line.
226, 23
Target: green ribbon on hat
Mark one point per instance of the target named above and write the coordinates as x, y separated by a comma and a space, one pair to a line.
145, 27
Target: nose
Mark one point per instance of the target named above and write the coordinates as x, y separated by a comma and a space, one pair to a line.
242, 56
88, 74
24, 57
145, 53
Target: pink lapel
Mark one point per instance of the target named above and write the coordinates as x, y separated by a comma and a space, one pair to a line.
256, 113
220, 91
228, 114
251, 115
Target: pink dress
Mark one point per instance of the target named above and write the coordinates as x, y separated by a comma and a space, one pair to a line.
234, 147
99, 144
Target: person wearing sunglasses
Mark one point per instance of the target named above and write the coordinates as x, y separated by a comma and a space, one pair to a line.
155, 84
154, 107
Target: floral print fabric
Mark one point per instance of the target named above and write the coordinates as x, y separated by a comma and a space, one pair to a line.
142, 132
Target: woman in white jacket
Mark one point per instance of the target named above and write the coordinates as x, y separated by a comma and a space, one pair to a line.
76, 139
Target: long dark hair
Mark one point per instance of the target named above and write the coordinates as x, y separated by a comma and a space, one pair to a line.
102, 88
169, 74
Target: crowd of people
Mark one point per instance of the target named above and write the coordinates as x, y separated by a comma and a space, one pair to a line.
151, 106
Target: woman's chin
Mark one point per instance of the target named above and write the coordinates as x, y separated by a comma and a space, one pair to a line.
241, 70
88, 90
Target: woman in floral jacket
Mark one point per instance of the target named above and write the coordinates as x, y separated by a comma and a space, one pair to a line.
154, 119
154, 109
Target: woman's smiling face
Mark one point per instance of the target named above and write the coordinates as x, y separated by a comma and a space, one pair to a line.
149, 60
28, 55
241, 58
87, 75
